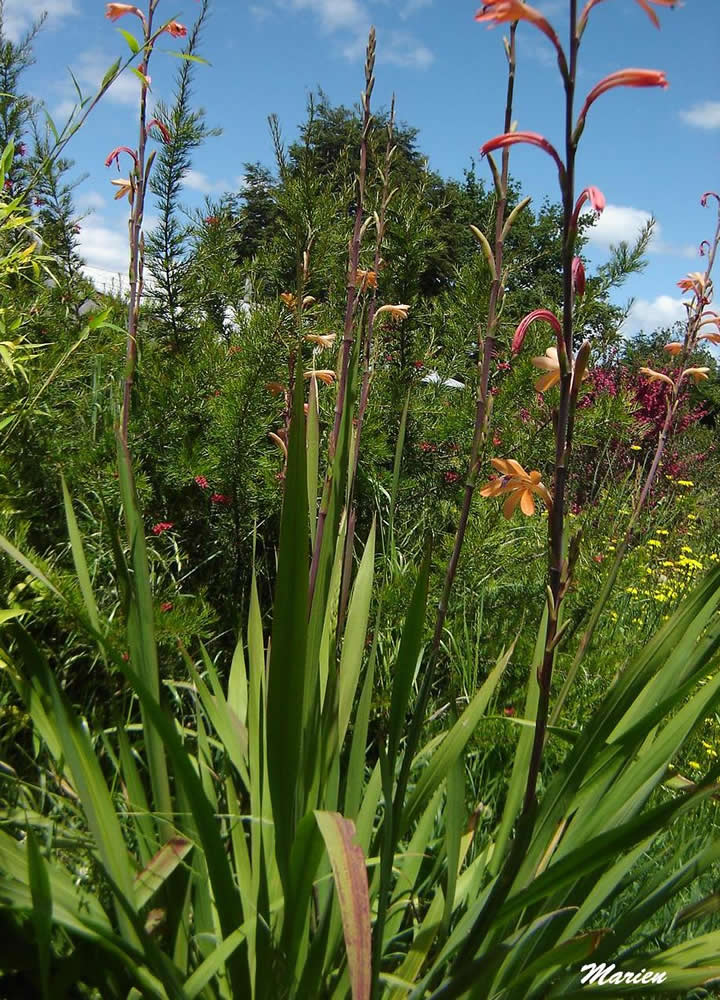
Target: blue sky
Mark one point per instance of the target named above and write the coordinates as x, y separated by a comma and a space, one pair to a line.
649, 151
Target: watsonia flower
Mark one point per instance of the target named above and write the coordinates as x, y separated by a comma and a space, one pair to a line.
519, 486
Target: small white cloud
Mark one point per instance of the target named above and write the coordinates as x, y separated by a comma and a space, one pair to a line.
19, 15
705, 115
89, 69
104, 247
335, 15
618, 222
396, 48
623, 222
406, 51
89, 200
412, 7
196, 180
649, 315
260, 13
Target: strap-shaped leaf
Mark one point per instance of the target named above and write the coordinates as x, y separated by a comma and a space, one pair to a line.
350, 876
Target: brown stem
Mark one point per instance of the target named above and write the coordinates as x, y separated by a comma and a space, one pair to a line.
136, 246
367, 355
558, 571
348, 329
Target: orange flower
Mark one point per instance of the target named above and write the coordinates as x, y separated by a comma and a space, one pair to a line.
175, 29
124, 187
507, 11
533, 138
276, 388
291, 301
365, 279
279, 441
113, 11
537, 314
675, 348
697, 373
645, 4
622, 78
321, 339
518, 485
597, 203
398, 312
712, 338
551, 365
695, 282
654, 376
324, 375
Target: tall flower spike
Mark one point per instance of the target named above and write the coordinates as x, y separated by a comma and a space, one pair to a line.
621, 78
645, 4
537, 314
533, 138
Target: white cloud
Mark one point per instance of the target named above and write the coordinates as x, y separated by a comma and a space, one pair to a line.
89, 200
406, 51
104, 247
623, 222
89, 69
412, 6
705, 115
19, 15
649, 315
196, 180
335, 15
618, 222
396, 48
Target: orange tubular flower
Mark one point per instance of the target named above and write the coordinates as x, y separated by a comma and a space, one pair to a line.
533, 138
321, 339
578, 276
674, 348
365, 279
113, 11
507, 11
537, 314
695, 282
654, 376
176, 29
124, 187
398, 312
645, 4
158, 125
549, 362
622, 78
323, 375
519, 487
597, 203
697, 373
279, 442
